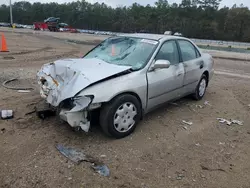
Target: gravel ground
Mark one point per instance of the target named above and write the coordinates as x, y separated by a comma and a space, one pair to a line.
162, 152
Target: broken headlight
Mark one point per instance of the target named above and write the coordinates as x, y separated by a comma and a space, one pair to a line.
80, 103
79, 100
93, 106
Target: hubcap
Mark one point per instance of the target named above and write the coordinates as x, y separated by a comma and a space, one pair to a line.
124, 117
202, 87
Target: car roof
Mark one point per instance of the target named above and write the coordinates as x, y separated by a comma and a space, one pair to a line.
152, 36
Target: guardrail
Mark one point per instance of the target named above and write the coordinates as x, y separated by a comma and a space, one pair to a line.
219, 42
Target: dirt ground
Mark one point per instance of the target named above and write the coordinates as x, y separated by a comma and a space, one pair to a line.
162, 152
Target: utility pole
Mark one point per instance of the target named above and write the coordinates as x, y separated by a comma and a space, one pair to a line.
11, 17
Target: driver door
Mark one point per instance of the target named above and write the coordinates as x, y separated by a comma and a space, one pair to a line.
165, 84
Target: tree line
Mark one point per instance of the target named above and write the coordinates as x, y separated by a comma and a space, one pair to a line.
193, 18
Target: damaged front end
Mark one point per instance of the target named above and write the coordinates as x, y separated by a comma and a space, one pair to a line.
75, 111
62, 81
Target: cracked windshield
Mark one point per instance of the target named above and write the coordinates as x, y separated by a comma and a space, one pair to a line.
134, 52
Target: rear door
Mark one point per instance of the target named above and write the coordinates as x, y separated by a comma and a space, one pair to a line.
193, 65
165, 84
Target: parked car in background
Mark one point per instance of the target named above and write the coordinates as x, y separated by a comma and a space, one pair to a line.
18, 25
168, 33
51, 19
125, 77
177, 34
3, 24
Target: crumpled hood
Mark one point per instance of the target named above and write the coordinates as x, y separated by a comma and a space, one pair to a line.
65, 78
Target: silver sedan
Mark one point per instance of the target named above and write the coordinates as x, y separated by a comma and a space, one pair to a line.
125, 77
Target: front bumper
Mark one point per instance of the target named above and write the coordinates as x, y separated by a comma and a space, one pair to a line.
74, 111
76, 119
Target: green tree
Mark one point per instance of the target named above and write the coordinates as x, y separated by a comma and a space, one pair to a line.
192, 18
209, 3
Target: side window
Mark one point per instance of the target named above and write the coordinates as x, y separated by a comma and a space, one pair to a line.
168, 52
188, 51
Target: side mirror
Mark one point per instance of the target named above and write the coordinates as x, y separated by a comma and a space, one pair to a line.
161, 64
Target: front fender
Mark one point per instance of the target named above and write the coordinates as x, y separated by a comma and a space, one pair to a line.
105, 91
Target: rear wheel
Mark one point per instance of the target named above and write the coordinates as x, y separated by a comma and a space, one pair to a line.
119, 117
201, 88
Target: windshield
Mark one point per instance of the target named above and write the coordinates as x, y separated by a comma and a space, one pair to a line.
126, 51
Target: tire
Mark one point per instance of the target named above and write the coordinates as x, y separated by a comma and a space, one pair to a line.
198, 95
129, 109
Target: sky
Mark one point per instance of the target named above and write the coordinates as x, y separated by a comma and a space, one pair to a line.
115, 3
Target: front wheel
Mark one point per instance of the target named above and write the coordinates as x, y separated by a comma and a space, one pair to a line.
201, 88
119, 117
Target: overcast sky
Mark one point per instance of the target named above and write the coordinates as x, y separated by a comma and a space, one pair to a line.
115, 3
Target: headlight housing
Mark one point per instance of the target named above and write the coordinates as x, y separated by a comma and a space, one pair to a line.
81, 102
92, 106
